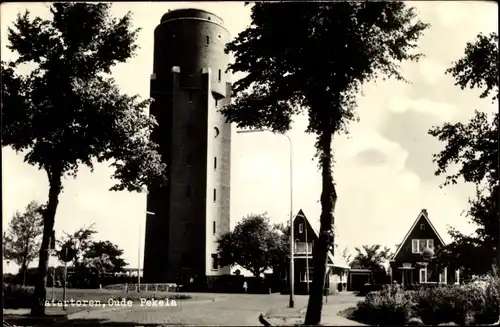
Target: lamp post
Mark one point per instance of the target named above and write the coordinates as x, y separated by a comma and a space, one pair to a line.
307, 252
139, 255
291, 276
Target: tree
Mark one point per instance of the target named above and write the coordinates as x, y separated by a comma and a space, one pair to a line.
68, 112
370, 257
346, 255
314, 59
473, 148
21, 241
80, 241
109, 250
253, 244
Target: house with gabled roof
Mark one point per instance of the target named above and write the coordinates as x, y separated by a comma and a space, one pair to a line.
408, 265
305, 237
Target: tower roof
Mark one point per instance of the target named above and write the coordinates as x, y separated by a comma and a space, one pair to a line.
191, 13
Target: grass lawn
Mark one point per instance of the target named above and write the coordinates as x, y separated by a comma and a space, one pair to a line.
90, 299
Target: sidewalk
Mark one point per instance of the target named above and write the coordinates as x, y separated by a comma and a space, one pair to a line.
296, 316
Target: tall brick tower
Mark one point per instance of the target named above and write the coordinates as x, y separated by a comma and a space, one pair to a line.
189, 86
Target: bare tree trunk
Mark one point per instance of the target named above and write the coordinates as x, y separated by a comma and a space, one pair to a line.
25, 260
320, 250
49, 214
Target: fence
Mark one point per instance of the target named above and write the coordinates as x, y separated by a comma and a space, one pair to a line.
167, 287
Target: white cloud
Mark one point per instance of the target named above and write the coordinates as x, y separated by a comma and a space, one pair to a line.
431, 70
401, 104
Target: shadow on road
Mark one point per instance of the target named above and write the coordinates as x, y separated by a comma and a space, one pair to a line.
23, 320
100, 322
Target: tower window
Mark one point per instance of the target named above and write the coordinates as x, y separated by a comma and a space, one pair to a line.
216, 103
208, 39
220, 75
215, 195
188, 192
190, 97
189, 160
215, 163
216, 132
215, 263
213, 227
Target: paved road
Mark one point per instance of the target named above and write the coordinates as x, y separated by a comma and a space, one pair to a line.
219, 309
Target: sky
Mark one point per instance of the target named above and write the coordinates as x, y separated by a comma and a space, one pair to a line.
384, 172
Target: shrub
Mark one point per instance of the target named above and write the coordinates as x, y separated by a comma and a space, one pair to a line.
444, 304
475, 303
16, 296
490, 312
391, 306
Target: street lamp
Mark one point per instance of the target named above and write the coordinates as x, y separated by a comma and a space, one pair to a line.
139, 255
291, 274
307, 252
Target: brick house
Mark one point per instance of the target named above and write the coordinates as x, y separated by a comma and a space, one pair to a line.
408, 267
305, 236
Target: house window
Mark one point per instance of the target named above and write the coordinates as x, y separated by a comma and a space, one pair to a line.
215, 163
213, 227
215, 263
422, 226
188, 192
208, 39
215, 195
220, 75
418, 246
304, 276
301, 228
457, 276
423, 275
430, 244
190, 97
442, 276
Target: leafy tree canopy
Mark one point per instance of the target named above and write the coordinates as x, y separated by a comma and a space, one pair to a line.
291, 67
371, 257
253, 244
21, 241
473, 148
67, 111
80, 241
108, 250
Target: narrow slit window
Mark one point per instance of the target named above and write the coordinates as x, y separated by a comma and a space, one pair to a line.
216, 103
190, 97
220, 75
208, 39
215, 261
188, 192
215, 195
213, 227
215, 163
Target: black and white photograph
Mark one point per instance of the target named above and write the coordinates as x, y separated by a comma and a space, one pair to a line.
250, 163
